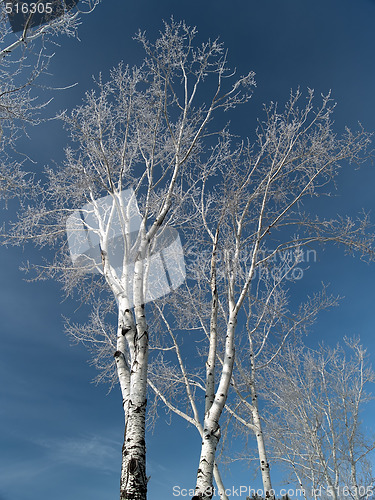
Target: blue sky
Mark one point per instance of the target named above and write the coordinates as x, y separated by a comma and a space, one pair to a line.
60, 435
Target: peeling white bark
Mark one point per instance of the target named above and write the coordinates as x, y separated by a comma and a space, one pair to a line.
211, 428
125, 335
133, 484
211, 358
131, 359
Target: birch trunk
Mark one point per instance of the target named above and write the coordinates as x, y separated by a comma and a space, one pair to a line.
132, 342
125, 332
219, 483
133, 484
211, 435
257, 428
211, 429
264, 465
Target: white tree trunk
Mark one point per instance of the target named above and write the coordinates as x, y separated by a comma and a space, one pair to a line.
204, 486
211, 428
133, 484
219, 483
264, 465
125, 332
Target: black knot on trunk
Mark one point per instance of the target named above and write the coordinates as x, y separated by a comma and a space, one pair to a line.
133, 465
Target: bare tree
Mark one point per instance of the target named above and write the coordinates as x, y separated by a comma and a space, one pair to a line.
24, 57
252, 215
270, 325
38, 21
314, 425
144, 137
138, 138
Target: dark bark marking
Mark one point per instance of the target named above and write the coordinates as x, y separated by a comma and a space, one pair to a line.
133, 465
103, 255
139, 408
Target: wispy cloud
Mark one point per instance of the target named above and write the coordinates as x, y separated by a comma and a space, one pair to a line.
97, 453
